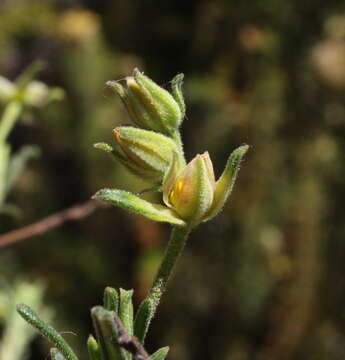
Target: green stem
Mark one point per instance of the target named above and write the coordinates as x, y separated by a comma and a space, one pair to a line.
10, 115
175, 246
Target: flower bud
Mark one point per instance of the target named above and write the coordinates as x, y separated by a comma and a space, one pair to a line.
192, 191
149, 105
145, 153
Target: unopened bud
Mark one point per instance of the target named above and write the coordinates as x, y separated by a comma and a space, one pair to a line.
193, 192
149, 105
145, 153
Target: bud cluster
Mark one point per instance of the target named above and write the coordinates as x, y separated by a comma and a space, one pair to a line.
153, 151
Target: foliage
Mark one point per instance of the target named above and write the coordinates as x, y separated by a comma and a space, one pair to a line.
268, 73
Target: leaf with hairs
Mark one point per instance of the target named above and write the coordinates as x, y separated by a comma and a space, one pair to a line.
46, 330
133, 203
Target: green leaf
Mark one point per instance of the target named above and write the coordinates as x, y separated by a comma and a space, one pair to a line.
160, 354
93, 349
126, 310
106, 334
56, 355
4, 161
18, 162
11, 210
130, 202
46, 330
142, 319
111, 299
225, 183
29, 73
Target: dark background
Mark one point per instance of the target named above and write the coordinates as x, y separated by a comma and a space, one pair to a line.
265, 279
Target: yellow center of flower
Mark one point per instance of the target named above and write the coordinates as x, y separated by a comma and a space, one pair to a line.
175, 192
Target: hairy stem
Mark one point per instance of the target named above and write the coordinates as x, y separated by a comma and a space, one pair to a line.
175, 246
10, 115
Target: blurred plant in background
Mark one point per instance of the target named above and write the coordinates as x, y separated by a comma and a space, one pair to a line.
16, 337
257, 73
14, 97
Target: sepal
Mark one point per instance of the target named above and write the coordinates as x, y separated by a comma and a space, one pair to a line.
225, 183
132, 203
176, 86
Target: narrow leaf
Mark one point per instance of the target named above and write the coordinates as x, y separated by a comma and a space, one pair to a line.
4, 161
93, 349
130, 202
46, 330
106, 334
18, 162
142, 319
29, 73
111, 299
226, 182
126, 310
160, 354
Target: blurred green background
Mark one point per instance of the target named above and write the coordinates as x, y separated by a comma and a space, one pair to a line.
265, 279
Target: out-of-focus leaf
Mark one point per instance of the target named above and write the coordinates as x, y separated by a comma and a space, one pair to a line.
93, 348
56, 355
106, 334
4, 160
18, 162
160, 354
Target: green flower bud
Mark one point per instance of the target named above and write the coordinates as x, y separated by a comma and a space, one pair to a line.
149, 105
193, 192
145, 153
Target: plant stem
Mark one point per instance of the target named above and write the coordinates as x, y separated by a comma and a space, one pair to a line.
175, 246
9, 117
